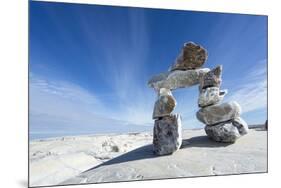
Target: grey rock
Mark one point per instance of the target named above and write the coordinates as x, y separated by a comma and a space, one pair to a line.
192, 56
167, 135
164, 105
177, 79
218, 113
228, 131
210, 96
241, 125
158, 79
211, 78
223, 132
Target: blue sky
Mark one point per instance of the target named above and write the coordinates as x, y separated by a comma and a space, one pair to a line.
89, 64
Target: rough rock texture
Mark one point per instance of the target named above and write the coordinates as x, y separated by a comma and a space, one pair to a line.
198, 156
210, 96
54, 160
223, 132
228, 131
211, 78
167, 135
192, 56
214, 114
164, 105
241, 125
177, 79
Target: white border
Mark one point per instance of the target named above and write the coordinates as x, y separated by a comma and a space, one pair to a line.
13, 99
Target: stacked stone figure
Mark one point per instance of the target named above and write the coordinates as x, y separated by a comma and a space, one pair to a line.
185, 72
223, 121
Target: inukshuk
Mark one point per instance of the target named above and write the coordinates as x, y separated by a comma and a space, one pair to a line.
186, 72
222, 120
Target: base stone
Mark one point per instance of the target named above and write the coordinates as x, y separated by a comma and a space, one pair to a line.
241, 125
167, 134
223, 132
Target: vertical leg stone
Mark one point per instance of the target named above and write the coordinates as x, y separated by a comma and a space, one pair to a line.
167, 134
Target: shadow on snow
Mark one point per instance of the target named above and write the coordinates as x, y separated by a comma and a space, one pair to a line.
146, 152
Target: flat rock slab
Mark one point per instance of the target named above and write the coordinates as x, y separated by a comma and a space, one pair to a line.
198, 156
177, 79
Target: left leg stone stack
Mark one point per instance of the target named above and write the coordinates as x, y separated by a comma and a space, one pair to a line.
185, 72
167, 136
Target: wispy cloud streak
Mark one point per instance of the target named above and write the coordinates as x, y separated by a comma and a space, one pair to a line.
63, 106
252, 94
123, 67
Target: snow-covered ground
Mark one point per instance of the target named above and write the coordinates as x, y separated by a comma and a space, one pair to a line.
57, 159
92, 159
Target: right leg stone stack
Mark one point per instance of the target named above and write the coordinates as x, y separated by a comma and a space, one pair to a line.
223, 121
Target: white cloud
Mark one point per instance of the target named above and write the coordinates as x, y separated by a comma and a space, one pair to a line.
51, 97
61, 103
253, 94
122, 68
59, 106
